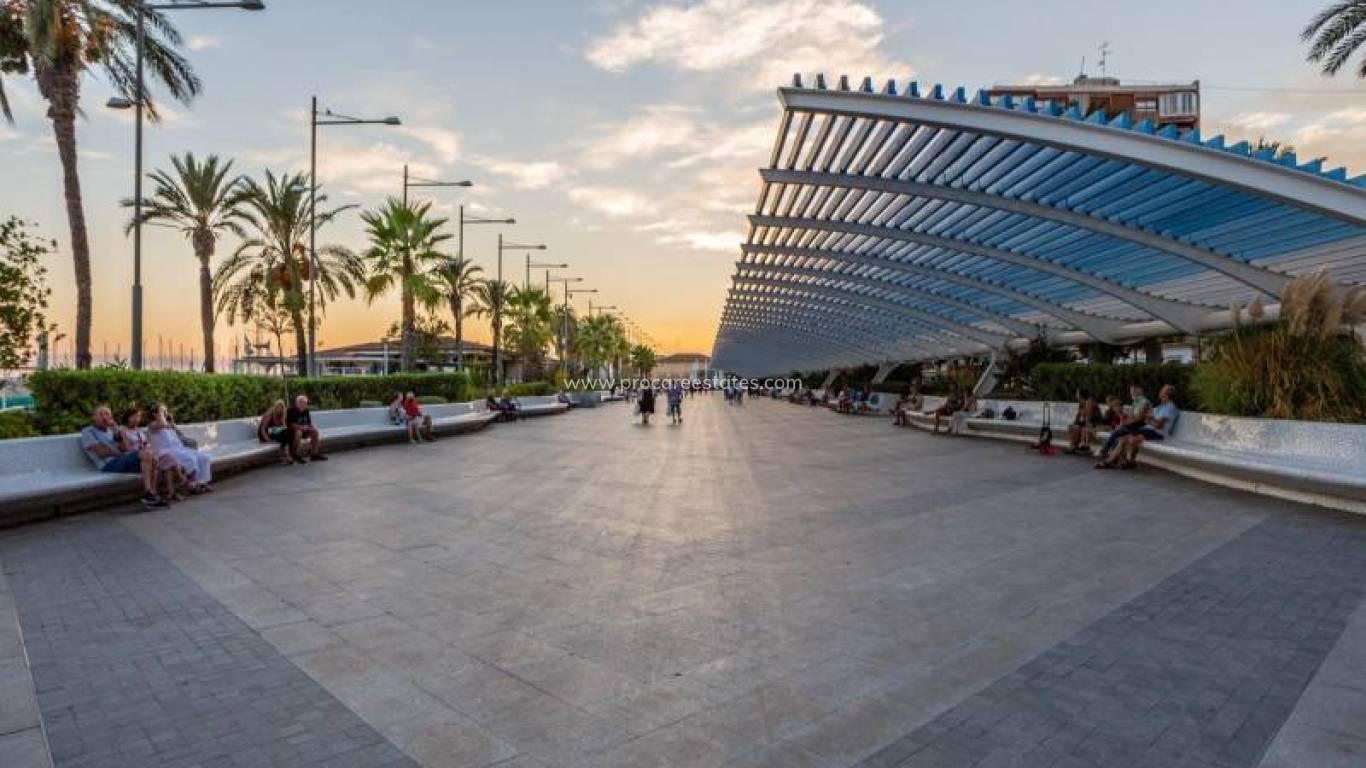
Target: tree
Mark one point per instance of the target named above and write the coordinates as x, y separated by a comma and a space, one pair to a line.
455, 281
1335, 34
58, 41
532, 326
428, 332
491, 301
23, 291
270, 267
643, 360
201, 200
403, 245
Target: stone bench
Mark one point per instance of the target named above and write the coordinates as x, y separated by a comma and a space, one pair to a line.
1306, 461
1313, 462
539, 405
45, 476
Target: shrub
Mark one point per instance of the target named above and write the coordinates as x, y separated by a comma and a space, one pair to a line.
17, 424
64, 398
1060, 381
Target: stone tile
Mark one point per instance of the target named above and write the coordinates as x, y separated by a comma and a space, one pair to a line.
24, 749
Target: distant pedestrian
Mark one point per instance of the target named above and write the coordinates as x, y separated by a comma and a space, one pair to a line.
646, 404
676, 403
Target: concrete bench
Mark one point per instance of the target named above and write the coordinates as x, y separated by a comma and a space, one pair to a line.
590, 399
1313, 462
44, 476
539, 405
1306, 461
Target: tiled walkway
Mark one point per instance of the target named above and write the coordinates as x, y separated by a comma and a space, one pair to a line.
763, 586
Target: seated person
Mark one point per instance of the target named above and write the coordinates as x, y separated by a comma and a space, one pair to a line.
299, 419
899, 411
175, 451
1161, 422
133, 437
395, 413
1082, 430
959, 419
508, 407
418, 423
1135, 418
491, 403
271, 428
952, 405
1114, 413
842, 401
917, 402
100, 443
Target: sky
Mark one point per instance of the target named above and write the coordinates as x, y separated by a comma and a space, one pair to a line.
624, 134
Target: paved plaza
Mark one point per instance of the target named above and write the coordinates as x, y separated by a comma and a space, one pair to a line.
766, 585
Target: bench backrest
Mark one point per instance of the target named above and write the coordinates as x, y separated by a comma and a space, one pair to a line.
1344, 443
27, 455
532, 401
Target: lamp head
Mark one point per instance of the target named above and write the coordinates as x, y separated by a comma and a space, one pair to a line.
252, 5
120, 102
392, 121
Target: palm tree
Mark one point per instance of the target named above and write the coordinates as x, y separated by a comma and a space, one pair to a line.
403, 244
271, 264
597, 341
201, 200
491, 301
643, 359
533, 325
455, 281
1335, 34
58, 41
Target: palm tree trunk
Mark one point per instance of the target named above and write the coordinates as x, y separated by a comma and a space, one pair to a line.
61, 88
203, 250
409, 318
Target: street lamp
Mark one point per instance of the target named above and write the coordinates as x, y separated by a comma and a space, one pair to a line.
328, 118
498, 310
416, 182
564, 315
139, 102
569, 295
599, 308
526, 281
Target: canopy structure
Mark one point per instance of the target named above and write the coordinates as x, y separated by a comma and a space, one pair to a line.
913, 226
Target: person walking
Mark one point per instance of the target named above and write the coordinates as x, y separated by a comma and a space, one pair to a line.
676, 403
646, 404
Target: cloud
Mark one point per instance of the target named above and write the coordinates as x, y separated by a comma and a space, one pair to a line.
690, 235
1339, 135
202, 42
445, 143
1038, 78
615, 202
656, 128
760, 43
426, 44
525, 175
375, 168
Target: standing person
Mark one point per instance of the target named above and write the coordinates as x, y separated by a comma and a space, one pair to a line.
300, 422
676, 403
176, 451
100, 444
271, 428
646, 404
418, 423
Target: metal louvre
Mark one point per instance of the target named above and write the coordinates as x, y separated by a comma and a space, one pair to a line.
896, 226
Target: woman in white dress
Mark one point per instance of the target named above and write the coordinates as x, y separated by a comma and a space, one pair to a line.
173, 448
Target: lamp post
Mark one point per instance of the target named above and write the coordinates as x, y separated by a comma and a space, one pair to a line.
139, 103
325, 118
563, 346
498, 310
526, 281
569, 295
416, 182
599, 308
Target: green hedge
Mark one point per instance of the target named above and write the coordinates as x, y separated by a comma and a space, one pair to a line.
65, 398
1060, 381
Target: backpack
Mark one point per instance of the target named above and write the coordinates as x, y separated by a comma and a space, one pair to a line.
1009, 413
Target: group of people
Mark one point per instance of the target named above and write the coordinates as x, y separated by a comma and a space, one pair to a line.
673, 397
1128, 427
290, 428
169, 461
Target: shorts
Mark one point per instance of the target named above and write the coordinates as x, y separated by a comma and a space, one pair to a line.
676, 408
124, 464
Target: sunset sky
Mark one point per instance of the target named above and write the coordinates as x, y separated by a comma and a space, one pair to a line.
625, 135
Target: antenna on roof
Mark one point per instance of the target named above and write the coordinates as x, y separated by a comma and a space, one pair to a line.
1104, 57
1082, 72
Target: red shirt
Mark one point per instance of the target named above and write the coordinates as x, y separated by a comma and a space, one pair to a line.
411, 407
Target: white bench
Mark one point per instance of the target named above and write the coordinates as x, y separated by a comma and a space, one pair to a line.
590, 399
1308, 461
42, 476
1313, 462
539, 405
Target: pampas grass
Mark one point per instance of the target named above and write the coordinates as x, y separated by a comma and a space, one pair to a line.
1307, 364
